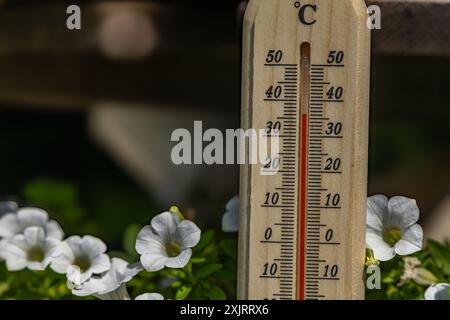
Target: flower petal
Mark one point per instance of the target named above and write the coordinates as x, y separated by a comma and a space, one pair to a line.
230, 222
88, 288
36, 266
101, 264
9, 225
165, 224
149, 242
181, 260
121, 293
110, 284
411, 241
54, 230
52, 247
188, 234
86, 275
403, 212
377, 210
153, 262
32, 217
131, 271
75, 245
74, 274
381, 250
119, 272
15, 256
34, 236
19, 241
92, 246
233, 204
63, 258
149, 296
438, 291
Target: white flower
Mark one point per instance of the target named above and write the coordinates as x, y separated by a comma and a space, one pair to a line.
80, 258
439, 291
32, 250
112, 284
149, 296
392, 228
13, 223
230, 219
167, 242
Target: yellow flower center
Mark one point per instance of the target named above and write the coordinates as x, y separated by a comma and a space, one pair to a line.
173, 249
35, 254
83, 262
392, 236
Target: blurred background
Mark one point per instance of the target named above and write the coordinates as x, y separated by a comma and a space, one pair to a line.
86, 115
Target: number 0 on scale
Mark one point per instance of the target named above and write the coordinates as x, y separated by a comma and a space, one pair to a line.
305, 82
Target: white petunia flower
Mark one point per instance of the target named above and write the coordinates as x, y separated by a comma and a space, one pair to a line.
80, 258
392, 228
149, 296
32, 250
230, 219
15, 223
167, 242
112, 284
439, 291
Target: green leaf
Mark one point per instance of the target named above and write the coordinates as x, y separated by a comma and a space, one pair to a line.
216, 293
129, 239
225, 275
441, 255
182, 293
207, 270
388, 280
230, 247
210, 249
206, 238
198, 260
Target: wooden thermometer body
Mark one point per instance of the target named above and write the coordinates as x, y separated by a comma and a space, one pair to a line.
305, 82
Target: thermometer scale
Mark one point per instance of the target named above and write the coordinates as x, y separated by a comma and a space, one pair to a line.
305, 82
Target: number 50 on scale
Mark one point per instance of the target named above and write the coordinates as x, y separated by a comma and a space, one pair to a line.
306, 82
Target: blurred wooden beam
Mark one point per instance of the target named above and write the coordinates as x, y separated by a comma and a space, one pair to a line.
42, 63
196, 62
413, 28
409, 27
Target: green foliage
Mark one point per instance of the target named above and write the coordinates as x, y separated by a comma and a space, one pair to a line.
205, 277
80, 212
129, 241
33, 285
434, 258
441, 255
60, 199
210, 274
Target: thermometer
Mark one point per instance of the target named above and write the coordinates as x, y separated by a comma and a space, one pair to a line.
306, 67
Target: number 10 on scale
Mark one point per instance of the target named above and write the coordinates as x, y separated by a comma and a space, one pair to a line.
306, 83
